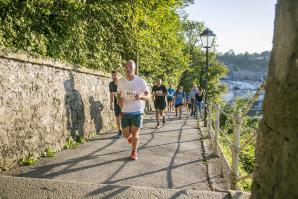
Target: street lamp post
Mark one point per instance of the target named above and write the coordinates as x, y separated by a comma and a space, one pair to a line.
207, 38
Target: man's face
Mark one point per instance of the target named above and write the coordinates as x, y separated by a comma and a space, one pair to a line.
114, 76
158, 82
129, 69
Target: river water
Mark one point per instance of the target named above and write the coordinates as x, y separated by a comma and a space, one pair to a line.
243, 89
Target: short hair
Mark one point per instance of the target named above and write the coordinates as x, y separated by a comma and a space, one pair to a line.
132, 62
114, 72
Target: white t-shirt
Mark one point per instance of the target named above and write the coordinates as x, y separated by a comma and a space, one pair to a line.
193, 92
130, 89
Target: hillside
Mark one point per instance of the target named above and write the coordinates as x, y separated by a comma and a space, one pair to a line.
246, 66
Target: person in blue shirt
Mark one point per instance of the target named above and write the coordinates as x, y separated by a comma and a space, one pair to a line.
171, 93
179, 98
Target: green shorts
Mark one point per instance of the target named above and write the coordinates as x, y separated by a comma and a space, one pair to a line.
132, 120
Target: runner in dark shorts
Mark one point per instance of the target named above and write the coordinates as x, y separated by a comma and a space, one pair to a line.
171, 93
133, 91
159, 92
179, 97
113, 102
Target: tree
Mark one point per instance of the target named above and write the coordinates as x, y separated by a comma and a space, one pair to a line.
276, 172
99, 34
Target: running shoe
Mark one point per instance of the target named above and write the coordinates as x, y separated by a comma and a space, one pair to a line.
119, 135
134, 155
157, 125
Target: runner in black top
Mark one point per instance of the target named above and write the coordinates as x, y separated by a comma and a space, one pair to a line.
113, 101
198, 101
159, 92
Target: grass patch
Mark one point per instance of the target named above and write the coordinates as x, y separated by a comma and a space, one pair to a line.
81, 140
70, 144
30, 159
49, 152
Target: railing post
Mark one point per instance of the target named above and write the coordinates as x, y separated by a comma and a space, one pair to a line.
209, 118
209, 124
235, 151
215, 140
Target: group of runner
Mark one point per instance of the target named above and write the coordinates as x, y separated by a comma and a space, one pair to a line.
163, 97
127, 98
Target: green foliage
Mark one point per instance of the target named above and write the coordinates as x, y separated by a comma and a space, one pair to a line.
70, 144
30, 159
91, 134
249, 126
247, 158
81, 140
99, 34
49, 152
195, 73
246, 184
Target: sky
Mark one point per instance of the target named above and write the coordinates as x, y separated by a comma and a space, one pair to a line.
241, 25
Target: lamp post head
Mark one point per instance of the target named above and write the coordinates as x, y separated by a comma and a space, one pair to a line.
207, 38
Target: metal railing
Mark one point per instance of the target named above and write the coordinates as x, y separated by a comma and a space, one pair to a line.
213, 125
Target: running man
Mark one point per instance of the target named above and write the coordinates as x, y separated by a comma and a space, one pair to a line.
148, 107
159, 92
179, 98
133, 91
113, 101
199, 99
193, 92
171, 93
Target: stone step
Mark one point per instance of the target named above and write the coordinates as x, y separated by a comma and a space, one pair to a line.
20, 187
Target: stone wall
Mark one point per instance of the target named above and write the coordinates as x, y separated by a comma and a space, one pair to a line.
43, 101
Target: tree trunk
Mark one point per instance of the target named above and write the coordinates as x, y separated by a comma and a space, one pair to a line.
276, 172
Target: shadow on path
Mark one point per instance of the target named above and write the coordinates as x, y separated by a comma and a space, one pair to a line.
116, 163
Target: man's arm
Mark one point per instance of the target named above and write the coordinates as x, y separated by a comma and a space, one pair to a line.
165, 91
146, 96
111, 96
121, 100
153, 94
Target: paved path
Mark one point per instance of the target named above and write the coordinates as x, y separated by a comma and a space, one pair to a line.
170, 157
171, 165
